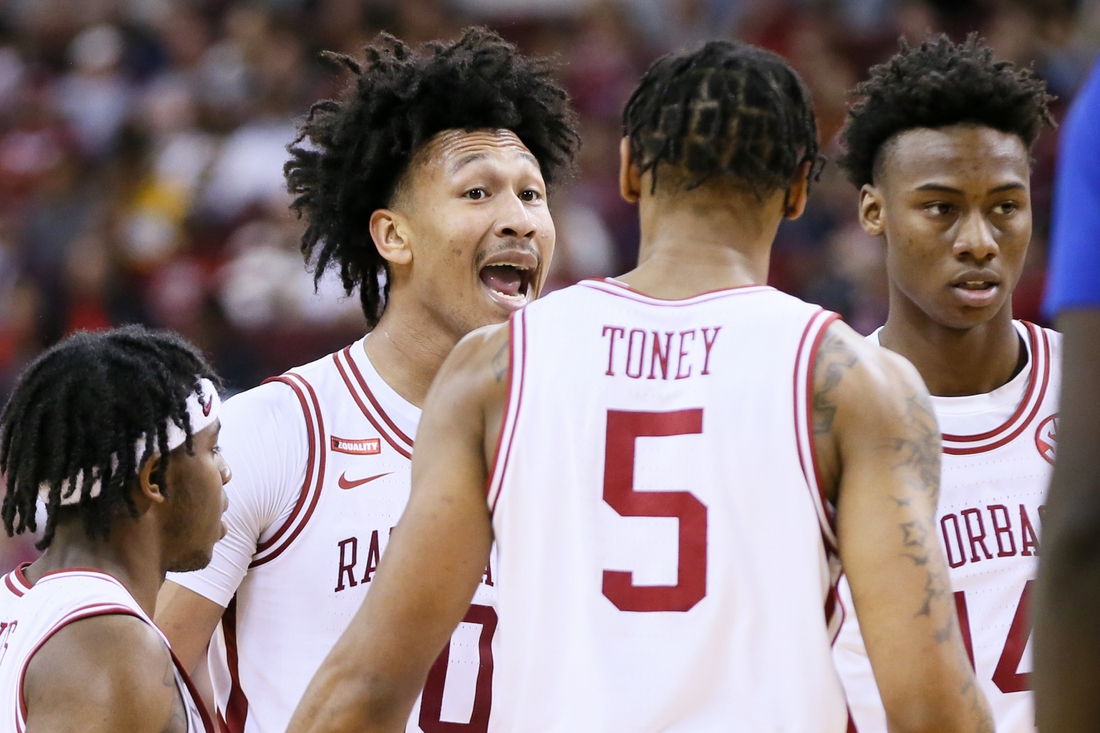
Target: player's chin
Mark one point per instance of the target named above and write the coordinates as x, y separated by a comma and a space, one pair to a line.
193, 561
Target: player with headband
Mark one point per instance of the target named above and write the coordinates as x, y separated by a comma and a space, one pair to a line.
115, 435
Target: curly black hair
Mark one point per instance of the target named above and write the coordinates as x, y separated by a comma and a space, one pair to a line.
80, 409
725, 109
938, 84
360, 147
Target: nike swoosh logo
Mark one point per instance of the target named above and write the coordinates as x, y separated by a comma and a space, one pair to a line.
345, 484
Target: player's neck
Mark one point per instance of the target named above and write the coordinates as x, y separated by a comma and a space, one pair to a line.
407, 348
955, 362
131, 557
691, 247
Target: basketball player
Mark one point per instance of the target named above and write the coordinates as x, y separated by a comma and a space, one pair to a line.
426, 189
662, 455
115, 435
1067, 637
938, 141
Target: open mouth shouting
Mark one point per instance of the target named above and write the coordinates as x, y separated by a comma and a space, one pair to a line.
977, 288
509, 278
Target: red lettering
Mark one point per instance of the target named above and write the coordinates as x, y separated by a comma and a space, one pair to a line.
660, 355
947, 541
373, 556
1027, 532
347, 568
487, 576
708, 343
978, 539
1000, 531
611, 347
630, 353
964, 624
1007, 676
431, 706
680, 361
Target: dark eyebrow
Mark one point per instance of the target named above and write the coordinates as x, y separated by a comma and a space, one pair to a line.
948, 189
474, 157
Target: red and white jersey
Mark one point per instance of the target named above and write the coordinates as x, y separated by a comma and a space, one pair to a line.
30, 615
998, 452
664, 550
321, 474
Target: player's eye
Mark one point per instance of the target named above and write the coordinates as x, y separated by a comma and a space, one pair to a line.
530, 195
939, 208
1006, 208
476, 194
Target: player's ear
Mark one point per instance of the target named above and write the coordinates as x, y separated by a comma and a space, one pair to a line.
870, 210
630, 180
149, 492
390, 232
799, 191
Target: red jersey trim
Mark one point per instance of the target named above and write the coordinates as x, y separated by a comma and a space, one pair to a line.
315, 473
204, 714
78, 614
374, 402
398, 441
517, 325
236, 708
958, 445
621, 289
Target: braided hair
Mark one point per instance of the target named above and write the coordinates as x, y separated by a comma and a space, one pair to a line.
360, 148
76, 415
937, 84
725, 109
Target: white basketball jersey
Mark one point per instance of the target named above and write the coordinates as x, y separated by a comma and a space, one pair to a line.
30, 615
308, 579
998, 452
665, 555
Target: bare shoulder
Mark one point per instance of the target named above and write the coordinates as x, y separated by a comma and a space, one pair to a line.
105, 673
478, 362
863, 393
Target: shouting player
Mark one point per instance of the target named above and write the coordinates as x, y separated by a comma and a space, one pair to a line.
116, 435
939, 140
662, 455
426, 189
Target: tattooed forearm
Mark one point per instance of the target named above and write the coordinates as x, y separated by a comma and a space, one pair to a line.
834, 358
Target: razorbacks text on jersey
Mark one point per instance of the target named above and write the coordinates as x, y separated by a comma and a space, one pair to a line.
665, 555
305, 539
31, 614
998, 451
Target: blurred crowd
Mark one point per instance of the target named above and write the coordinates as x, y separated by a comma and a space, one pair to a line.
142, 145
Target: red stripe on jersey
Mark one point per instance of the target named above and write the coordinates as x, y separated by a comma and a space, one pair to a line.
78, 614
313, 496
504, 414
204, 714
405, 451
370, 396
312, 438
236, 708
519, 400
622, 290
1041, 363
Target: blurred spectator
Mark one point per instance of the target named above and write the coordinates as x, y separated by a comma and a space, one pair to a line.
142, 145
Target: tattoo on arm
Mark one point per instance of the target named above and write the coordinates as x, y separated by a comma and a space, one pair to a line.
177, 721
501, 361
834, 358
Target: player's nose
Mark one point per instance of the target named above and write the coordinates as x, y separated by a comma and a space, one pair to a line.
224, 469
515, 219
976, 239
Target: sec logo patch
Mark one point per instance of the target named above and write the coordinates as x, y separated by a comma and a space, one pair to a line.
1046, 438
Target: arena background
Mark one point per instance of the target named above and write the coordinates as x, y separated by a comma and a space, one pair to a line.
142, 144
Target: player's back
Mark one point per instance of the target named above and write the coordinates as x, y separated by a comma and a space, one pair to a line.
665, 554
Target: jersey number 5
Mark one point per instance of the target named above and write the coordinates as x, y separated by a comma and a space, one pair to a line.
623, 428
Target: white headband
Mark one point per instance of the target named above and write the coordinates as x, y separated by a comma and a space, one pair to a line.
202, 410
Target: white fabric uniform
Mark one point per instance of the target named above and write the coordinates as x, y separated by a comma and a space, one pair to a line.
665, 553
998, 452
30, 615
320, 459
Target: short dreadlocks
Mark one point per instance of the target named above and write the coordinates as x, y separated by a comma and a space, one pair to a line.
725, 109
80, 409
361, 147
938, 84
